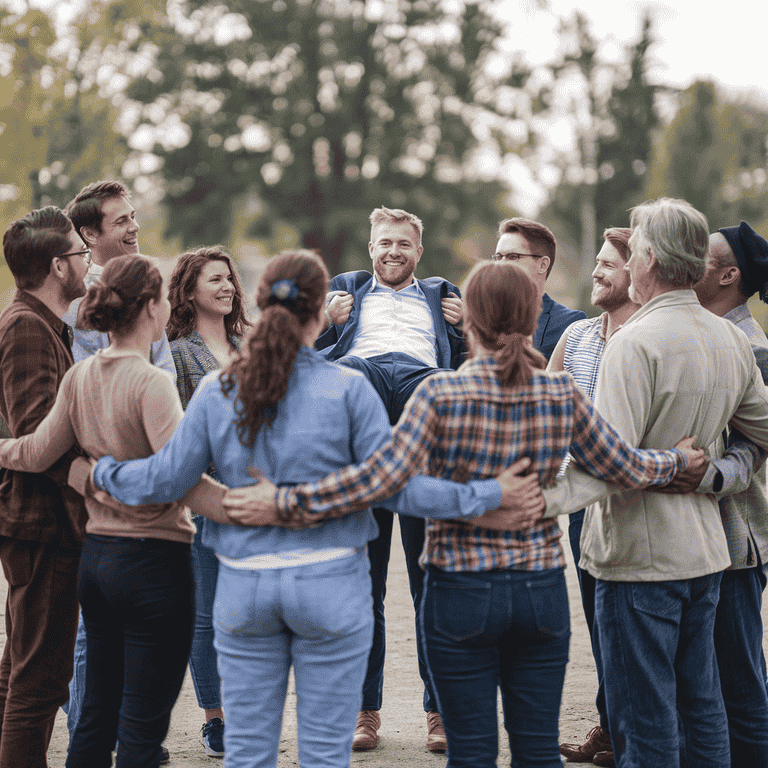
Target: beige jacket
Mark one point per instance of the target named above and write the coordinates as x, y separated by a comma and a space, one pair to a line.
673, 370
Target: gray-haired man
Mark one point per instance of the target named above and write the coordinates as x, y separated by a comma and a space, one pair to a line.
674, 369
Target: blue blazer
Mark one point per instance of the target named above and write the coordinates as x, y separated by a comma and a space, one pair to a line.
553, 320
337, 340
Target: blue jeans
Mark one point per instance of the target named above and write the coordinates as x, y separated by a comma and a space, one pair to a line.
137, 601
394, 376
202, 660
587, 589
739, 648
498, 628
657, 640
317, 617
412, 537
77, 683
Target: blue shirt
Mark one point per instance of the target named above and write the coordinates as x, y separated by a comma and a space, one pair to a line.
330, 417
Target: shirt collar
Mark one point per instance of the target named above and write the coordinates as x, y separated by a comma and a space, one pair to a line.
413, 287
603, 330
737, 314
680, 297
41, 309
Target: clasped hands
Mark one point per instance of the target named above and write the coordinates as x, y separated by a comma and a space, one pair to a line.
522, 504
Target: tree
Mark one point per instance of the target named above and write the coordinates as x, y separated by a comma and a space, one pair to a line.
324, 110
613, 106
62, 104
714, 155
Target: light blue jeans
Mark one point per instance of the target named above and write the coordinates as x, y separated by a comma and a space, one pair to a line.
202, 659
318, 618
77, 683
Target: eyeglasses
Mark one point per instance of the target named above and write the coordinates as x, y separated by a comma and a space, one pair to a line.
86, 254
512, 256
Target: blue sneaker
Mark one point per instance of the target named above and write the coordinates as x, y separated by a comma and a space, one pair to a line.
212, 737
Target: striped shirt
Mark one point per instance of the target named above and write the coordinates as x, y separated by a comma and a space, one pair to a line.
584, 350
396, 321
464, 425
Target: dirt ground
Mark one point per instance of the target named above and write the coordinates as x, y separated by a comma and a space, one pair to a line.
403, 731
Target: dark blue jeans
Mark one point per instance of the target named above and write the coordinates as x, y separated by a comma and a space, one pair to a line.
203, 665
137, 602
739, 647
497, 628
657, 640
587, 589
394, 376
412, 537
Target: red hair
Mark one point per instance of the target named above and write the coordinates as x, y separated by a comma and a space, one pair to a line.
501, 309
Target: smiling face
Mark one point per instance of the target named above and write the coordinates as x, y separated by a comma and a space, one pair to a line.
214, 291
610, 281
395, 251
513, 246
119, 231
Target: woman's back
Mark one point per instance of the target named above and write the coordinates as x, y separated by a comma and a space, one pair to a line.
329, 417
121, 405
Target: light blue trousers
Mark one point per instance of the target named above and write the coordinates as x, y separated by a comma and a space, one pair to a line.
319, 619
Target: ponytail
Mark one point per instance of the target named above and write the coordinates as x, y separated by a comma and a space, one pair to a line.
291, 294
501, 311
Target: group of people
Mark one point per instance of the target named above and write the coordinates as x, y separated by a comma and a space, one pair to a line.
294, 440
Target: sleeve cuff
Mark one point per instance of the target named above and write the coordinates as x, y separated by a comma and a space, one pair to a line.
489, 491
711, 478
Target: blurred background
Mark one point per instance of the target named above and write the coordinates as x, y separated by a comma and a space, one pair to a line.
269, 124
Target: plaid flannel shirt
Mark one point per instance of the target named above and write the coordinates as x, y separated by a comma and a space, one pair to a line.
34, 356
464, 426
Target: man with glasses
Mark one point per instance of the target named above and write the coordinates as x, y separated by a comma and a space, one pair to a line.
42, 520
532, 246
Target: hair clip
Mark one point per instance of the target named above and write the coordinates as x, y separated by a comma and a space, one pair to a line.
284, 291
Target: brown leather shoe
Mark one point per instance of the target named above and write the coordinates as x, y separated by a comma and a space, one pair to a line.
436, 741
604, 759
366, 735
598, 740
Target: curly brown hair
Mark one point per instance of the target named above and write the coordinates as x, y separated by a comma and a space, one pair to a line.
182, 286
501, 309
291, 294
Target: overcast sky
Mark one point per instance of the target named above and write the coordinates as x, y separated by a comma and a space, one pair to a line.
697, 40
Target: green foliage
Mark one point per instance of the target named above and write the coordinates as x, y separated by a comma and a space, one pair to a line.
323, 112
713, 154
615, 146
56, 111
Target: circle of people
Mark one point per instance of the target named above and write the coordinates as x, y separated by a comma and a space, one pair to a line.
201, 489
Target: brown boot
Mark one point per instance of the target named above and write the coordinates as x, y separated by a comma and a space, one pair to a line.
366, 735
436, 741
598, 740
604, 759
